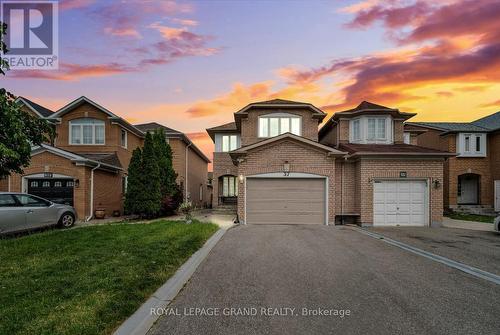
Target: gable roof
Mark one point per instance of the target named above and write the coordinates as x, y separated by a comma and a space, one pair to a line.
491, 122
113, 117
36, 108
391, 150
172, 133
243, 150
106, 161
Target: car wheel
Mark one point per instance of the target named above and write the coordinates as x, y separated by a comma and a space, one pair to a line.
67, 220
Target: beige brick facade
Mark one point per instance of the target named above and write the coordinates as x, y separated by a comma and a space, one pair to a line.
302, 158
249, 125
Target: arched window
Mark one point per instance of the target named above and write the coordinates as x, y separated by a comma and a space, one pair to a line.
86, 131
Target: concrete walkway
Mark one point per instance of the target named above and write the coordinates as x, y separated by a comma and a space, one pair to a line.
471, 225
225, 221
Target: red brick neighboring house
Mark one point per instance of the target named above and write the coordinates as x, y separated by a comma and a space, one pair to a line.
472, 178
87, 165
275, 165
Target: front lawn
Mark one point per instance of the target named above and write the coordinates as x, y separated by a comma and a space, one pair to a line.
89, 280
471, 217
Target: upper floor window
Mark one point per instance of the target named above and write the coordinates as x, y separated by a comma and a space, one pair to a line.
471, 145
369, 129
277, 124
86, 131
123, 138
226, 142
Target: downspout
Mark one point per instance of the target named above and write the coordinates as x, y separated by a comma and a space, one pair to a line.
92, 192
186, 178
342, 191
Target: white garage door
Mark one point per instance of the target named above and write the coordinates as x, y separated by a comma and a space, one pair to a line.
400, 202
285, 201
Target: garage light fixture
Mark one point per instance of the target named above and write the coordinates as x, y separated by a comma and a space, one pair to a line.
241, 178
77, 183
436, 183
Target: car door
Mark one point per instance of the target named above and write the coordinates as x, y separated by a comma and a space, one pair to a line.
12, 214
39, 212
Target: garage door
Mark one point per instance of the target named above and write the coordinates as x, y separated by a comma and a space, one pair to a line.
400, 202
58, 190
285, 201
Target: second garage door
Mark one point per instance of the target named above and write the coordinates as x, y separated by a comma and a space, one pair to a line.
400, 203
285, 201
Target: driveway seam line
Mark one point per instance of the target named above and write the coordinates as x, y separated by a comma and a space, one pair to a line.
440, 259
142, 320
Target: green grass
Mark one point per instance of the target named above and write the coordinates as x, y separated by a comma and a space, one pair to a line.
89, 280
471, 217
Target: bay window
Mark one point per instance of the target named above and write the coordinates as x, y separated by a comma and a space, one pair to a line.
371, 129
279, 123
86, 131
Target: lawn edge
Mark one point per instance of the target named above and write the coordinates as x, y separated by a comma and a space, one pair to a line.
141, 321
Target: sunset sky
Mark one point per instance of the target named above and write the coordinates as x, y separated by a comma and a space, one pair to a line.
190, 65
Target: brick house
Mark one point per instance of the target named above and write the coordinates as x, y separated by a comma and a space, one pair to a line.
87, 164
472, 178
274, 164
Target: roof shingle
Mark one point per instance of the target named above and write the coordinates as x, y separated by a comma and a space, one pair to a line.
390, 149
45, 112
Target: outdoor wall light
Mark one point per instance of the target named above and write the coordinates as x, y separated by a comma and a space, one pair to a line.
241, 178
286, 168
77, 183
436, 183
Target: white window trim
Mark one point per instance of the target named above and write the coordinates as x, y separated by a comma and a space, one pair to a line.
126, 138
363, 130
72, 123
278, 116
472, 145
219, 141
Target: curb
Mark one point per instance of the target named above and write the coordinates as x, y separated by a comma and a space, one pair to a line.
141, 321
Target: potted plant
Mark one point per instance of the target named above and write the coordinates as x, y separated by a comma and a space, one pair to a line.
100, 212
187, 209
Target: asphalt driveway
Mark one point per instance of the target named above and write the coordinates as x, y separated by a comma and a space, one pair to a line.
480, 249
385, 289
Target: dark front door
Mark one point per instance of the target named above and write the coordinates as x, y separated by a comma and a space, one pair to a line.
57, 190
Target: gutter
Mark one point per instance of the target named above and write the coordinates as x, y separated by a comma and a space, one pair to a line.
92, 193
186, 177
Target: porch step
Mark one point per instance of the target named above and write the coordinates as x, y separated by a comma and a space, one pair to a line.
475, 209
225, 209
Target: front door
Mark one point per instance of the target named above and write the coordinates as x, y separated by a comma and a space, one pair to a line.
468, 190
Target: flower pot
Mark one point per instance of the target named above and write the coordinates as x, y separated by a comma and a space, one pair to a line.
100, 213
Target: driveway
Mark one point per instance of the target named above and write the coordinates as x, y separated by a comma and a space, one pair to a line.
480, 249
386, 290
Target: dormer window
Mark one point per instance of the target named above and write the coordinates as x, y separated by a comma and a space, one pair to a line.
86, 131
279, 123
371, 129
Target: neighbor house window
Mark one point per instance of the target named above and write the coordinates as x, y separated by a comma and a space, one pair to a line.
471, 145
229, 186
406, 138
123, 138
356, 134
229, 143
86, 131
277, 124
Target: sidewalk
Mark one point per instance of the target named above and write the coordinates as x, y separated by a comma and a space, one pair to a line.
472, 225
